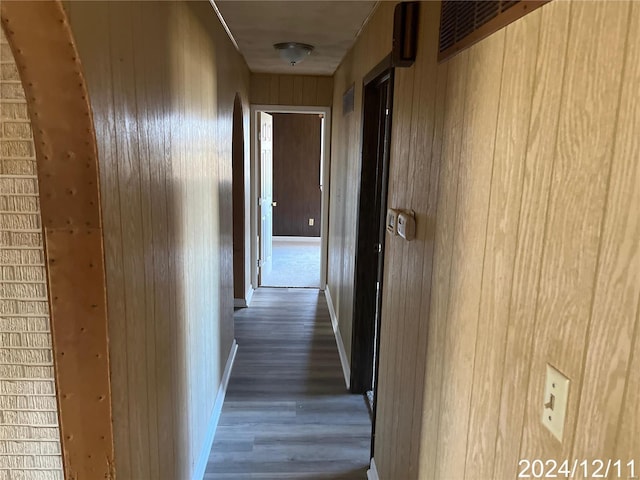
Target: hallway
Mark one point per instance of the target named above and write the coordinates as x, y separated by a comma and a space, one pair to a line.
287, 413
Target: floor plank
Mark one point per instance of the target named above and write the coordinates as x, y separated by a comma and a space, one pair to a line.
287, 414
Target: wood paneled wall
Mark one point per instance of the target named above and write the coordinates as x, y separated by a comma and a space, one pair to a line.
29, 432
373, 45
520, 157
296, 174
292, 90
162, 79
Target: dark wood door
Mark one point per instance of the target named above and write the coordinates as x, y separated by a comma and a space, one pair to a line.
369, 265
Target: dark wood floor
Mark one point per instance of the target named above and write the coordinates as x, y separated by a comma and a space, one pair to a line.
287, 414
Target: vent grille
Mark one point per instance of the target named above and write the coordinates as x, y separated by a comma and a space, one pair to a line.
460, 18
464, 22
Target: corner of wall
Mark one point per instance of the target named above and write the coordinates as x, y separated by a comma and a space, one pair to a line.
246, 301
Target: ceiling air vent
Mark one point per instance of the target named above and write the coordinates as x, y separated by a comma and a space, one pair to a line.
465, 22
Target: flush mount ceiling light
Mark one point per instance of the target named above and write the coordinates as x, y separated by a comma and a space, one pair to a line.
293, 52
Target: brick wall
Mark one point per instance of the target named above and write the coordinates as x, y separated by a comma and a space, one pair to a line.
29, 434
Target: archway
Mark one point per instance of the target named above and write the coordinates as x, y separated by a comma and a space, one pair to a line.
67, 167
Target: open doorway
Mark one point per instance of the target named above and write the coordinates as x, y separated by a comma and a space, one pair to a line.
374, 179
290, 190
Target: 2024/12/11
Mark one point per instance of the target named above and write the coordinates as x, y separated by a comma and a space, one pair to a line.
596, 468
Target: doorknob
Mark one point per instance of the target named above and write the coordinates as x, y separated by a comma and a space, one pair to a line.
274, 204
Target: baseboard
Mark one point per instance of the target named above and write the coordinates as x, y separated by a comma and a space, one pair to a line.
249, 295
372, 473
201, 466
244, 302
344, 361
298, 239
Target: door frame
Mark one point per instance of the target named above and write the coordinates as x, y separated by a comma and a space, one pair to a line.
363, 366
265, 202
325, 162
361, 351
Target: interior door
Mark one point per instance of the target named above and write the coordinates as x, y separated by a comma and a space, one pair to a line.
370, 241
266, 193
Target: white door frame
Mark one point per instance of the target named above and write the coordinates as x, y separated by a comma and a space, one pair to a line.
255, 184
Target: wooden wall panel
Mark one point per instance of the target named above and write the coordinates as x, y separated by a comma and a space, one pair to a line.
411, 189
130, 156
166, 178
512, 132
625, 199
413, 185
389, 399
296, 174
475, 174
291, 90
576, 208
426, 285
453, 113
545, 108
617, 287
534, 249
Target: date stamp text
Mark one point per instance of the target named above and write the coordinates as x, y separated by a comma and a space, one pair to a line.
597, 468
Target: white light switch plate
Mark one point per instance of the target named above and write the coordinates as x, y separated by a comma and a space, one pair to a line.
554, 403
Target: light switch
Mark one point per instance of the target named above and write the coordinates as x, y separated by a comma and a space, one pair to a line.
554, 407
311, 222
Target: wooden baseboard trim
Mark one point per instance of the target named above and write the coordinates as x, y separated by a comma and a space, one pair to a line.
201, 466
244, 302
372, 473
344, 361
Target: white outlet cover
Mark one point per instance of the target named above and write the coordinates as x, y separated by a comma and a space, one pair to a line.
556, 384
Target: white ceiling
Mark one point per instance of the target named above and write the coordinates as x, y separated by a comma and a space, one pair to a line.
330, 26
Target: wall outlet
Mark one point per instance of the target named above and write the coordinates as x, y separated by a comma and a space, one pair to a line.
311, 222
556, 395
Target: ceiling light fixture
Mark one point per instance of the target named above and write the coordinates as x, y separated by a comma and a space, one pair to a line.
293, 52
